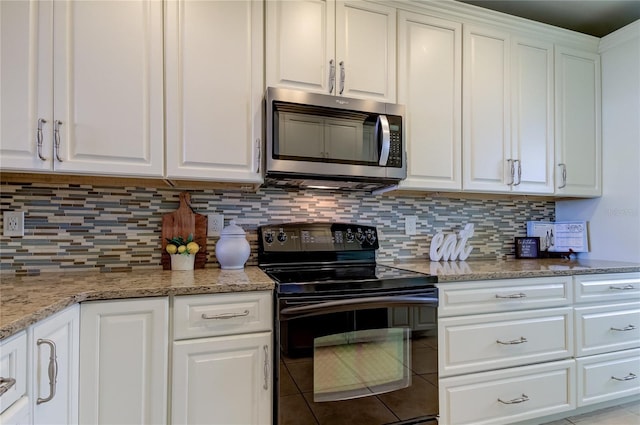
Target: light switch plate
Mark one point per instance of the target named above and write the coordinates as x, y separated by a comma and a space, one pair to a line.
410, 225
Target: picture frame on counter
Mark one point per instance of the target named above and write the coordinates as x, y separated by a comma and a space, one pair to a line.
527, 247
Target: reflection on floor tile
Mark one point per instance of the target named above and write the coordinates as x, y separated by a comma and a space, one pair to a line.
626, 414
421, 399
294, 411
361, 411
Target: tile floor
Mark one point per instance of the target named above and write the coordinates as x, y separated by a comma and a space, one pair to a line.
626, 414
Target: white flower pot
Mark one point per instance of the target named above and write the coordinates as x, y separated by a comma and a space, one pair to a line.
182, 262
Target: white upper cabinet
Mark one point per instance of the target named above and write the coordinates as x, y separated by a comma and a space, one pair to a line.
300, 44
486, 110
532, 141
89, 75
578, 123
25, 85
508, 113
345, 48
429, 85
214, 89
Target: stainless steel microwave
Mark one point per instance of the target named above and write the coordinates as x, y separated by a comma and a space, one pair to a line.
317, 140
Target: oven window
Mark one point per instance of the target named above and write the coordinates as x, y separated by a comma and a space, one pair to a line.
361, 363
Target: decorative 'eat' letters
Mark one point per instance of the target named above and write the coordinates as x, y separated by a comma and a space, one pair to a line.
451, 247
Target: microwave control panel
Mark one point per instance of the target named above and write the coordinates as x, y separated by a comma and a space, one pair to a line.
395, 145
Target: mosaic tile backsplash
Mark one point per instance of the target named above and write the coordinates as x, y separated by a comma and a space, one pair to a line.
79, 227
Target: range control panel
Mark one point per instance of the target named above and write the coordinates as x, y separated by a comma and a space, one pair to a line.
305, 237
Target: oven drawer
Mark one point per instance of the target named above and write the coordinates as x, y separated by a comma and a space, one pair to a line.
607, 287
611, 327
492, 341
13, 369
198, 316
608, 376
508, 396
488, 296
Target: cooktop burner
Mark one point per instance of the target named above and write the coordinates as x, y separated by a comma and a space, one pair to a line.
325, 258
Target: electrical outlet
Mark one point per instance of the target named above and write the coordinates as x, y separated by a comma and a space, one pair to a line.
13, 222
215, 223
410, 224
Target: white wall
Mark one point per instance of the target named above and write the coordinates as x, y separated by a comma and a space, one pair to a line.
614, 219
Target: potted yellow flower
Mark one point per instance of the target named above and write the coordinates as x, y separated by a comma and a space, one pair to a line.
183, 252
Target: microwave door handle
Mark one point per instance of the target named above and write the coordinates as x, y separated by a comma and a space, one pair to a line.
382, 129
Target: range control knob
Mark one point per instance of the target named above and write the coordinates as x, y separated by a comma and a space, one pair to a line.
371, 237
268, 238
350, 236
360, 236
282, 236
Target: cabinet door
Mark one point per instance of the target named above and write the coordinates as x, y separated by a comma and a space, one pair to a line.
123, 361
578, 123
108, 86
429, 85
366, 50
13, 366
222, 380
214, 89
300, 44
55, 341
486, 134
25, 85
532, 116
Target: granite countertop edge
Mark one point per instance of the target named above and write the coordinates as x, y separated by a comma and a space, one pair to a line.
26, 300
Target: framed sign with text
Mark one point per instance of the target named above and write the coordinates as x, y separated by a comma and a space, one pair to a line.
528, 247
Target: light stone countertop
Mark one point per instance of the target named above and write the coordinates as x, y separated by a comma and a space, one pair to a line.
456, 271
25, 300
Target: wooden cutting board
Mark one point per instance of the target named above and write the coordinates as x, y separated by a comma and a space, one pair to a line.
184, 222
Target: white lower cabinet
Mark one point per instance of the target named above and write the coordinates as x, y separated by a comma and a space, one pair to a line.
605, 328
222, 359
608, 376
492, 341
222, 380
124, 361
55, 366
13, 370
509, 395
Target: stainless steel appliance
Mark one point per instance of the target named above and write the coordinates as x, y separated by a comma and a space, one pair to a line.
317, 140
355, 341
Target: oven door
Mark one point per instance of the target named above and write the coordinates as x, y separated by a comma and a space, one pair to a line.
357, 360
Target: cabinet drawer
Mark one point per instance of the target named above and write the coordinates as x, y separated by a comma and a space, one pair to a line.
611, 327
491, 341
607, 287
197, 316
608, 376
508, 396
13, 366
489, 296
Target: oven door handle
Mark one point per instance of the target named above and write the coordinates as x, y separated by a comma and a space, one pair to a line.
359, 304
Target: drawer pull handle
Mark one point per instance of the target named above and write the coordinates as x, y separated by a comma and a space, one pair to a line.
622, 288
520, 295
52, 370
515, 400
224, 315
629, 377
6, 384
625, 329
522, 340
266, 367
